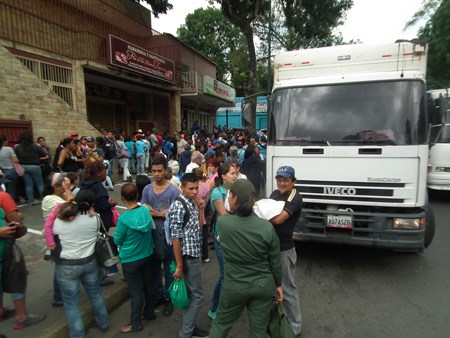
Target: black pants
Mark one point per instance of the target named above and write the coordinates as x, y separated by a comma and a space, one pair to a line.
141, 284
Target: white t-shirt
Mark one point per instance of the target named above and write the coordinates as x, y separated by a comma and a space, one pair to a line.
5, 157
191, 166
49, 203
77, 237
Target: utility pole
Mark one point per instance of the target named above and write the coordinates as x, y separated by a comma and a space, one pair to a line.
269, 38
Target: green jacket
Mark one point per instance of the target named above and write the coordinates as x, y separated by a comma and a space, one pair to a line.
134, 235
251, 250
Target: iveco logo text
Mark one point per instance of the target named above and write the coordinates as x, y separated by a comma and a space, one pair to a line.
384, 179
339, 191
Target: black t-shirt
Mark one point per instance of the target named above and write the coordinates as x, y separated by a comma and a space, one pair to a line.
294, 209
29, 154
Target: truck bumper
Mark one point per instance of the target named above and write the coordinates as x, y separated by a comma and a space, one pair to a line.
368, 229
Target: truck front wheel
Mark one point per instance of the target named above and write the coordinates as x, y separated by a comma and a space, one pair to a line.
429, 227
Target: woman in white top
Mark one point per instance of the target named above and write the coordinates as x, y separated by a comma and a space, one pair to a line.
77, 232
59, 185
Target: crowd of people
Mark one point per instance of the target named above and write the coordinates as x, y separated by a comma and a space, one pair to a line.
202, 191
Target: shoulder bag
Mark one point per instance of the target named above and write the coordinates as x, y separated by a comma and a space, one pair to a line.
105, 248
14, 271
18, 168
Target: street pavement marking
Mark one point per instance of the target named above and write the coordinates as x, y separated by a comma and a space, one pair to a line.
36, 232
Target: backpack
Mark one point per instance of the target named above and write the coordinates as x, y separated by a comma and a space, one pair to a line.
186, 217
210, 216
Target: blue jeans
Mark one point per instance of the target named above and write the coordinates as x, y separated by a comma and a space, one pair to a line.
216, 295
192, 274
11, 175
69, 278
111, 168
141, 285
33, 175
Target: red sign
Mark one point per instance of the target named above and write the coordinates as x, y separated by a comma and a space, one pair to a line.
136, 59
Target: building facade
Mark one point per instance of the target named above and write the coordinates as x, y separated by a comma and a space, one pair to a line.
88, 65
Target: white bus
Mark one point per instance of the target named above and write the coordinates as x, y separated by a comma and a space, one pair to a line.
352, 121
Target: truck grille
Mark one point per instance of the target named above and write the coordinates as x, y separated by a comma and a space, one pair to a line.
381, 192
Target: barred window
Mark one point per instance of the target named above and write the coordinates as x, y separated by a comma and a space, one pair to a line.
59, 79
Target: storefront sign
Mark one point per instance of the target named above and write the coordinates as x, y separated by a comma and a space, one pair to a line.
261, 104
136, 59
219, 89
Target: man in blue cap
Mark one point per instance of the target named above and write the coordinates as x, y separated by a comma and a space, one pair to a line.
284, 224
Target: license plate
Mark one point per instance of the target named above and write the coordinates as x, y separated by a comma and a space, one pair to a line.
339, 221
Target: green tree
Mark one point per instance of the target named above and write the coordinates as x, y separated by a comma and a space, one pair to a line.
305, 24
437, 32
210, 33
158, 6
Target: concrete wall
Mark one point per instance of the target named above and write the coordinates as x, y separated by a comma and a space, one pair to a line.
22, 93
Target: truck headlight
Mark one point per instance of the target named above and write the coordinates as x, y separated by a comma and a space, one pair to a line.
442, 169
408, 223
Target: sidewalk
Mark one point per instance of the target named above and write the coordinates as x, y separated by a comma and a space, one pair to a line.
39, 297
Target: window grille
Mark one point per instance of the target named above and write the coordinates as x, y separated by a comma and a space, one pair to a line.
59, 79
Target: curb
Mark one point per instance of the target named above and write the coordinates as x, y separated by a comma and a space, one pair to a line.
115, 295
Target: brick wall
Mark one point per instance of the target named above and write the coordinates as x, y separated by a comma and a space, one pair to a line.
22, 93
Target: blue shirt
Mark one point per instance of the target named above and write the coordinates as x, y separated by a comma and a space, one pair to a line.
141, 148
160, 201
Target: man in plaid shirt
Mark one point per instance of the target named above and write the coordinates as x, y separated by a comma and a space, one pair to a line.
187, 248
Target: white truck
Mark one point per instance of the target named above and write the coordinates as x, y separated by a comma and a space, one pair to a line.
439, 156
352, 121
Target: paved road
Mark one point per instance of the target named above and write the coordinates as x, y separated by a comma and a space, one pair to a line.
345, 291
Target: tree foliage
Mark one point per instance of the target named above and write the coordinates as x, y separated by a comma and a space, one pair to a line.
158, 6
437, 32
299, 23
210, 33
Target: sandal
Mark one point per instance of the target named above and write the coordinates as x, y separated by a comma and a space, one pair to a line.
7, 313
130, 329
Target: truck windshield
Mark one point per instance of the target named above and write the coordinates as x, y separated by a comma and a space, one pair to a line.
385, 113
444, 137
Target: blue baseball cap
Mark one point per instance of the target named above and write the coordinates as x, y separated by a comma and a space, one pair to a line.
285, 171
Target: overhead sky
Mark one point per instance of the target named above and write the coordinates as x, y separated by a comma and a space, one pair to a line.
370, 21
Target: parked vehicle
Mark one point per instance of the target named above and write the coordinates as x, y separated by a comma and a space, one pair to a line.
439, 156
352, 121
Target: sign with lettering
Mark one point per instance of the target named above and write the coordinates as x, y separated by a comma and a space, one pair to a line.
126, 55
219, 89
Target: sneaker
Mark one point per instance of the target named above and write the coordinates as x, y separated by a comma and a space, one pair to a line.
168, 308
58, 303
212, 314
206, 260
31, 319
199, 333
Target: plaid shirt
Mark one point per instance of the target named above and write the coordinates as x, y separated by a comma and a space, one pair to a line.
190, 236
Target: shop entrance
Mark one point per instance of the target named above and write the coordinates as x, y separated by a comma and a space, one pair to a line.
107, 115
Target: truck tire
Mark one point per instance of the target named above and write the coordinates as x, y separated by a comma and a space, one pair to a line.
429, 227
